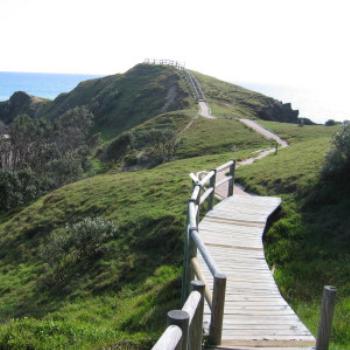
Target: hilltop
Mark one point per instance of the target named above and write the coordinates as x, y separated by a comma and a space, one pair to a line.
21, 103
122, 101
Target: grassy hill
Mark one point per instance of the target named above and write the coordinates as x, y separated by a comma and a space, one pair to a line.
120, 294
117, 296
122, 101
235, 101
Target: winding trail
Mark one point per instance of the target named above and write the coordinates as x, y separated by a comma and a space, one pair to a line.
255, 313
263, 132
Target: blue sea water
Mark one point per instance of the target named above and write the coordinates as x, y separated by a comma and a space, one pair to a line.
46, 85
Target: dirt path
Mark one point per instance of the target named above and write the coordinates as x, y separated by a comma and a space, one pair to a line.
222, 190
263, 132
204, 110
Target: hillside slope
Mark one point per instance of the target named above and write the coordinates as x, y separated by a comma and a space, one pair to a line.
236, 101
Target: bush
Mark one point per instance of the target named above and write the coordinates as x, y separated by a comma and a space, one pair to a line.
75, 243
330, 122
337, 163
18, 188
88, 235
117, 149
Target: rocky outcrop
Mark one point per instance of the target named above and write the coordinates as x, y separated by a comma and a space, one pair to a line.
278, 111
20, 103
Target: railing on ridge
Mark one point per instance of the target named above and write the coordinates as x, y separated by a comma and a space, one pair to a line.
166, 62
185, 327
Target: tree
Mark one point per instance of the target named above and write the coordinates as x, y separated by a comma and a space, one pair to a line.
330, 122
337, 165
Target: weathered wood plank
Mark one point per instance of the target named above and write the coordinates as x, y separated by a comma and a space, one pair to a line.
255, 312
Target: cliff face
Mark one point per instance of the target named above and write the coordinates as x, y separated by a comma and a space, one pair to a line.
278, 111
20, 103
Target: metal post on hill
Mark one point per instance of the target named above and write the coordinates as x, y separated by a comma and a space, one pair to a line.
327, 311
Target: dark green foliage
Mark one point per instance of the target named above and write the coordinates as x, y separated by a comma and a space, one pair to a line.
40, 155
337, 166
331, 122
19, 187
118, 148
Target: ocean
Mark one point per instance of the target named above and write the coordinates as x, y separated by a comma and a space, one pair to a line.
39, 84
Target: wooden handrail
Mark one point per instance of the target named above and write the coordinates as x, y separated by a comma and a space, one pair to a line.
170, 339
225, 179
207, 293
224, 166
189, 320
191, 304
205, 253
192, 214
206, 178
195, 193
205, 195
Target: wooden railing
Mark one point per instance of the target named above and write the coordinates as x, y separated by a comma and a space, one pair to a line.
165, 62
185, 327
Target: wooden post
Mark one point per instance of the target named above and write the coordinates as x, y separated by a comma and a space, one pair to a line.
217, 311
212, 195
192, 252
327, 310
186, 264
196, 329
231, 182
181, 319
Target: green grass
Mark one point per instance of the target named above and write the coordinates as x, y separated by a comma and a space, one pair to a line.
123, 294
210, 136
308, 244
293, 133
122, 101
235, 101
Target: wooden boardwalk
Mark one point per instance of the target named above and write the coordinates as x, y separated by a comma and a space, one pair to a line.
255, 313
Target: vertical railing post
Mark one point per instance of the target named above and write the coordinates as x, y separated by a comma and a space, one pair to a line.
181, 319
231, 182
212, 195
327, 311
192, 252
217, 311
196, 328
186, 264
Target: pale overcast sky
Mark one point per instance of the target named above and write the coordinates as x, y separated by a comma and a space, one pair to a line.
303, 43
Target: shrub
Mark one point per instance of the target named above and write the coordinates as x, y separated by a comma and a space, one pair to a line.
88, 235
73, 244
18, 188
119, 147
337, 163
330, 122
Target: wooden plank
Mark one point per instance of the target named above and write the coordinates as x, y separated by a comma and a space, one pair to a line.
255, 311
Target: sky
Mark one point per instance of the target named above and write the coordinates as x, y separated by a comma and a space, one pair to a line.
302, 44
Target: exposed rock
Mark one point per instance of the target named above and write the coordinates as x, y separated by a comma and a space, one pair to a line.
278, 111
